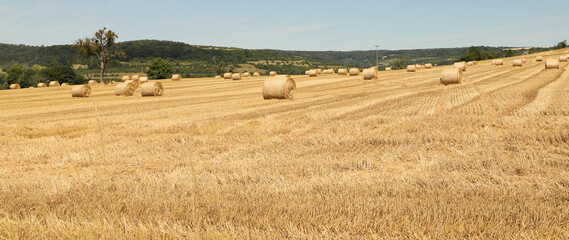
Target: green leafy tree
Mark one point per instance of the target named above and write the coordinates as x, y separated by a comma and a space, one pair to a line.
62, 74
399, 63
561, 45
15, 74
220, 68
160, 69
27, 75
475, 54
3, 83
99, 46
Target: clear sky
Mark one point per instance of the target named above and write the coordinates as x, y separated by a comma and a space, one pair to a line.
292, 24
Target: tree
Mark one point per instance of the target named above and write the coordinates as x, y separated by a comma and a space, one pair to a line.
61, 74
220, 68
99, 46
160, 69
399, 63
561, 45
475, 54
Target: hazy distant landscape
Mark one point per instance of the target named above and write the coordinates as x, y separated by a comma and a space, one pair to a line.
200, 61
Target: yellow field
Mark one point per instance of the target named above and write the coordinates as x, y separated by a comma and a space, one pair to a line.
402, 157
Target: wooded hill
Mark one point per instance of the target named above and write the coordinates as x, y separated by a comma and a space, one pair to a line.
143, 51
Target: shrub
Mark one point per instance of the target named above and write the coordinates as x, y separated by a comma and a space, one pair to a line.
160, 69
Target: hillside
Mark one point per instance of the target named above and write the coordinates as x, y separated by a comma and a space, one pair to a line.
401, 157
200, 61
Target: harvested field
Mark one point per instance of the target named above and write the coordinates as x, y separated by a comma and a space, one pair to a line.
401, 157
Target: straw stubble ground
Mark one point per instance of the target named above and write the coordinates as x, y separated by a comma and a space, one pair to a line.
399, 157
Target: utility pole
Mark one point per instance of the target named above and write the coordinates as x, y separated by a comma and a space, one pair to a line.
376, 56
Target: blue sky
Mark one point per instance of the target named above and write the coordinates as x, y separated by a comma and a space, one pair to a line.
292, 24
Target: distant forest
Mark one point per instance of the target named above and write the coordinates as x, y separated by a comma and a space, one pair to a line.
143, 51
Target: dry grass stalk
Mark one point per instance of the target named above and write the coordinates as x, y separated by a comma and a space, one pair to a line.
370, 74
313, 73
152, 89
81, 91
237, 76
343, 71
460, 65
354, 71
279, 87
552, 64
451, 76
126, 89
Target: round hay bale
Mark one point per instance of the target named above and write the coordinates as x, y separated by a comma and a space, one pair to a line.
41, 85
92, 82
125, 78
563, 59
65, 84
152, 89
552, 64
388, 69
451, 76
237, 76
272, 73
460, 65
370, 74
218, 77
256, 74
342, 71
518, 63
279, 87
246, 74
313, 73
14, 86
320, 71
227, 75
143, 79
411, 68
539, 59
54, 84
176, 77
499, 62
523, 60
135, 77
493, 62
330, 71
354, 71
428, 66
470, 64
125, 89
81, 91
307, 72
135, 83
